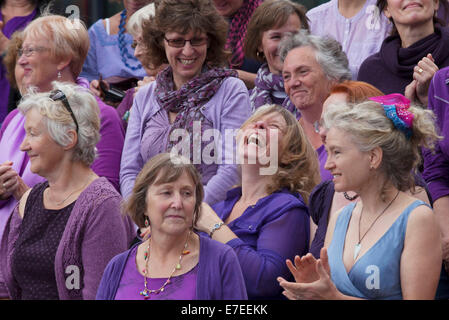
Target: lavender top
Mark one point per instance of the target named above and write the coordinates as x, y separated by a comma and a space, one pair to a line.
104, 56
436, 166
322, 158
95, 232
276, 228
360, 36
182, 287
149, 127
219, 276
11, 26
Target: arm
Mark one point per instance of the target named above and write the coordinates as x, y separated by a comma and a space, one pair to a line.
421, 256
232, 280
90, 67
248, 78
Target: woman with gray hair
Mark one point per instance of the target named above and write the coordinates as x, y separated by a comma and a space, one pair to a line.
312, 65
64, 231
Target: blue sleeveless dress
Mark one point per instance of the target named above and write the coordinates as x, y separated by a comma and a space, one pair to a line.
376, 275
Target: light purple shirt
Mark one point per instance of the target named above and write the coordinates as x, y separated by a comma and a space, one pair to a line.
360, 36
227, 109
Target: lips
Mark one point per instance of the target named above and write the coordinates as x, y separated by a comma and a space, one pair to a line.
413, 5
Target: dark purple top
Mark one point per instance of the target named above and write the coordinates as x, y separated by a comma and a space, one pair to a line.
276, 228
11, 26
322, 158
35, 249
125, 106
132, 282
391, 69
436, 166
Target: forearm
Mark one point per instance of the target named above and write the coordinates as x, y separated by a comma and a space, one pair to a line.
441, 210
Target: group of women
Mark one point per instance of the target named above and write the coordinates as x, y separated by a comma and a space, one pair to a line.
338, 218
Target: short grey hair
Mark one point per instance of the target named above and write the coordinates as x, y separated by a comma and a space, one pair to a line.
59, 121
135, 23
329, 53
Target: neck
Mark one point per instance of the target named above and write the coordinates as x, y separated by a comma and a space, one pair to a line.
412, 34
371, 197
253, 184
66, 76
18, 7
311, 134
69, 177
164, 246
349, 8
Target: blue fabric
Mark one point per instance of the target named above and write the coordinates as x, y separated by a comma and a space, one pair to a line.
383, 260
391, 113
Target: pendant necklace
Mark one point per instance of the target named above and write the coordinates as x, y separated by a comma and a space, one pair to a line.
358, 246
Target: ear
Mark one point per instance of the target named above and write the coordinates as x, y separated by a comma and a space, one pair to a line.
437, 6
387, 12
376, 155
73, 140
64, 63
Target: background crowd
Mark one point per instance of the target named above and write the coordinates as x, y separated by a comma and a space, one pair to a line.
225, 150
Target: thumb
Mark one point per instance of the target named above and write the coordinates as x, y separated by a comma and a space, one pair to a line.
320, 269
429, 55
325, 260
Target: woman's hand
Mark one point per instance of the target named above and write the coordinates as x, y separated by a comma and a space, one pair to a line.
207, 219
423, 73
143, 82
11, 184
95, 88
304, 269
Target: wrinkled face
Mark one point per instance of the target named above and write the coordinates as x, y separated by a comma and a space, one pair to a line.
132, 6
271, 39
170, 206
411, 12
36, 73
304, 79
187, 61
334, 98
227, 8
43, 151
349, 166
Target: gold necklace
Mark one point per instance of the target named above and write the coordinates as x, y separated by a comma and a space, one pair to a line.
146, 292
71, 194
358, 245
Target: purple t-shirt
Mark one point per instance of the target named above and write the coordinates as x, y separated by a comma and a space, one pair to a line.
182, 287
322, 158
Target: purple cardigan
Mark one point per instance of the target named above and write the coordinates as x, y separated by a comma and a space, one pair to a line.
227, 109
95, 232
436, 166
219, 274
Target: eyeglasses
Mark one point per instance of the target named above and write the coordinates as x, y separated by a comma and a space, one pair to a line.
58, 95
28, 52
180, 43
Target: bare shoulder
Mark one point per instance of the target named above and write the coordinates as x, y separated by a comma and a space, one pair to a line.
23, 202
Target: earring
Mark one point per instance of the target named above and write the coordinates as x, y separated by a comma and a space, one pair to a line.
260, 55
147, 222
59, 75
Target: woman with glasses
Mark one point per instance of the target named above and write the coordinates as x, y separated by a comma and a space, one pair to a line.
194, 104
64, 231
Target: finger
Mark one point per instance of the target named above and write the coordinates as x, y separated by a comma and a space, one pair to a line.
290, 295
291, 267
325, 259
321, 271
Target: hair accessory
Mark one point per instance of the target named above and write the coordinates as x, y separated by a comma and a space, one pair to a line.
396, 108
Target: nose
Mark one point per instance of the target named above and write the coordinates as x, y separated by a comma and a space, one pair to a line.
22, 60
329, 163
24, 146
176, 201
187, 49
260, 124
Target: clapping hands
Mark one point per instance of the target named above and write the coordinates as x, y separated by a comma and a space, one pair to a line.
423, 73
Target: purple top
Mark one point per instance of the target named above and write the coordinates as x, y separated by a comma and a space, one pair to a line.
104, 56
149, 126
276, 228
95, 232
182, 287
125, 106
34, 255
360, 35
11, 26
436, 166
322, 158
391, 69
219, 276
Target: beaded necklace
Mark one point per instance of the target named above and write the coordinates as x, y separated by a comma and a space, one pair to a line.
122, 44
146, 292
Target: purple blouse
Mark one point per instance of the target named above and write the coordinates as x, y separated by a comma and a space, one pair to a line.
182, 287
322, 158
276, 228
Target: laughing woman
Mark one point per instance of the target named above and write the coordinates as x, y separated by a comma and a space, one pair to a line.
194, 92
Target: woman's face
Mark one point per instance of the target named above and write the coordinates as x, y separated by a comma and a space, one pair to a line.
186, 61
411, 12
132, 6
349, 166
227, 8
260, 141
35, 72
170, 206
271, 39
304, 79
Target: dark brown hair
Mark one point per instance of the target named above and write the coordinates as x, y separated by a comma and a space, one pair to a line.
184, 16
11, 57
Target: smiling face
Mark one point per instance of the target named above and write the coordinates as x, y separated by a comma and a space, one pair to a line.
304, 79
227, 8
186, 62
271, 39
411, 12
170, 206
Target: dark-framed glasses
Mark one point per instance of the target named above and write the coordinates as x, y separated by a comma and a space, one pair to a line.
58, 95
28, 52
180, 43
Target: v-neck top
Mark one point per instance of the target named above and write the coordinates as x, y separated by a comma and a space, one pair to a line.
376, 274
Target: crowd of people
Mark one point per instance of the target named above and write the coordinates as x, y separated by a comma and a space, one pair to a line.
225, 150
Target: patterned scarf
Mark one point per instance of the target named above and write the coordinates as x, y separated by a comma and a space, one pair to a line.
237, 31
266, 84
188, 100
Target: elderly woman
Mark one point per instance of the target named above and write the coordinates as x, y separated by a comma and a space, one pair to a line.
15, 15
174, 263
110, 54
312, 65
193, 104
268, 25
387, 245
78, 211
266, 220
409, 58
